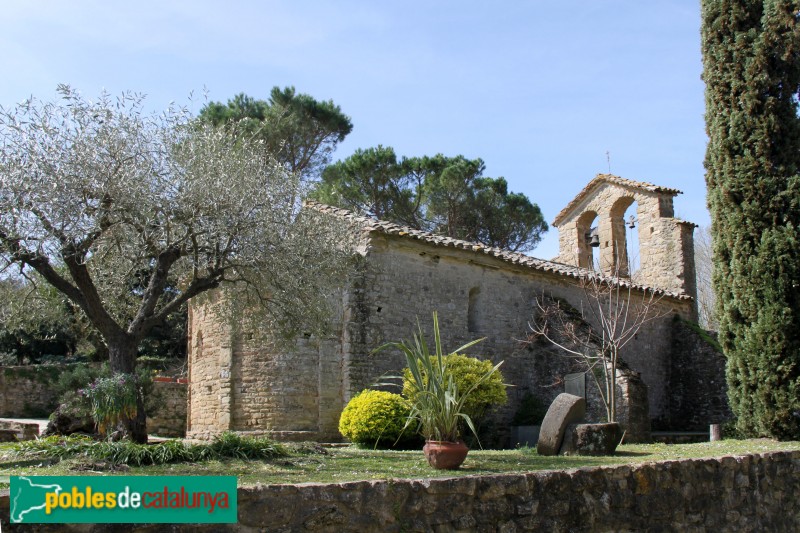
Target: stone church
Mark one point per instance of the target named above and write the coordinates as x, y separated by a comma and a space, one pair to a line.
670, 378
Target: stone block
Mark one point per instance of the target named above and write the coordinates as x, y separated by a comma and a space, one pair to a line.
566, 409
591, 439
575, 384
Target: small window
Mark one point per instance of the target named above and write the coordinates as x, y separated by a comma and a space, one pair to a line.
198, 346
472, 310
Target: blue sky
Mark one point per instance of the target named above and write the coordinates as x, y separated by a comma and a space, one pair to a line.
540, 90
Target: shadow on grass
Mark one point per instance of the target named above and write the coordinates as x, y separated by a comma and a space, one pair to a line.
630, 454
49, 461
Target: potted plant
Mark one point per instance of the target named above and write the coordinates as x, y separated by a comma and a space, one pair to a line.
527, 421
438, 405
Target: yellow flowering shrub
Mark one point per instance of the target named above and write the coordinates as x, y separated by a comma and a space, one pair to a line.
466, 371
374, 418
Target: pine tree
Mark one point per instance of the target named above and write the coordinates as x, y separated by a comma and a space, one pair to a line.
752, 76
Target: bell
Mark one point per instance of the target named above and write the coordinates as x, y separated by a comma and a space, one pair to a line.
595, 241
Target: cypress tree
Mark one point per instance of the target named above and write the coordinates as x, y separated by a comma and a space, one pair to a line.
751, 69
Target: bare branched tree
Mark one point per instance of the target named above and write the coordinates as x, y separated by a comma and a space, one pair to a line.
131, 214
706, 298
611, 313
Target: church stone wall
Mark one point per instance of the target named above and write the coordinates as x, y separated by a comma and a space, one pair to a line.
245, 382
209, 393
479, 296
298, 393
242, 382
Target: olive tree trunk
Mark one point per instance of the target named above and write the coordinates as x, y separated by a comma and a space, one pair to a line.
122, 359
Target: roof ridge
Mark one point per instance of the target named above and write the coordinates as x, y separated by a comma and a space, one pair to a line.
515, 258
611, 178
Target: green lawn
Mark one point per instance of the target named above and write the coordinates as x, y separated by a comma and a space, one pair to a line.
309, 463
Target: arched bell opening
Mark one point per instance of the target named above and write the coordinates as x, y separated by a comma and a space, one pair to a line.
617, 250
633, 248
588, 239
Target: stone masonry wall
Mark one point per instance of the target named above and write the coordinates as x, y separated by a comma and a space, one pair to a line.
209, 369
27, 391
291, 392
699, 392
478, 296
299, 392
742, 494
166, 416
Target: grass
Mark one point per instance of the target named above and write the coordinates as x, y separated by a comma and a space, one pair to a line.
310, 463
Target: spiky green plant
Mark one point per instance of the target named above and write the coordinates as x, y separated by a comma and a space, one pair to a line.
438, 405
112, 399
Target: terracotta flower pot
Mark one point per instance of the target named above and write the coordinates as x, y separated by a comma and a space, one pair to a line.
445, 455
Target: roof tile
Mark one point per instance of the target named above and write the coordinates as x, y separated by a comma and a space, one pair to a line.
390, 228
610, 178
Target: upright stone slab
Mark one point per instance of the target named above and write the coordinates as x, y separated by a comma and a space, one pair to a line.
566, 409
575, 384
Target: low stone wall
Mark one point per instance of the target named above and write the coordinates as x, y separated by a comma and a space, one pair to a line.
20, 430
167, 409
747, 493
27, 391
742, 494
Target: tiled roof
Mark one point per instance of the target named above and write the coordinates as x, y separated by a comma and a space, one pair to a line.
679, 221
515, 258
610, 178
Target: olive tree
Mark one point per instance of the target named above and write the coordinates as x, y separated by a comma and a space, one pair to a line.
130, 214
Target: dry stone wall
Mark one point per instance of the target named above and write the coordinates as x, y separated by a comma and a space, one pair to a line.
28, 391
751, 493
742, 494
166, 413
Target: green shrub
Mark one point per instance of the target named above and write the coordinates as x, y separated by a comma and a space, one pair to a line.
78, 377
70, 381
374, 418
154, 362
466, 371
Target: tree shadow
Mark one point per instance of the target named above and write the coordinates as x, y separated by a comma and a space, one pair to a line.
630, 454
